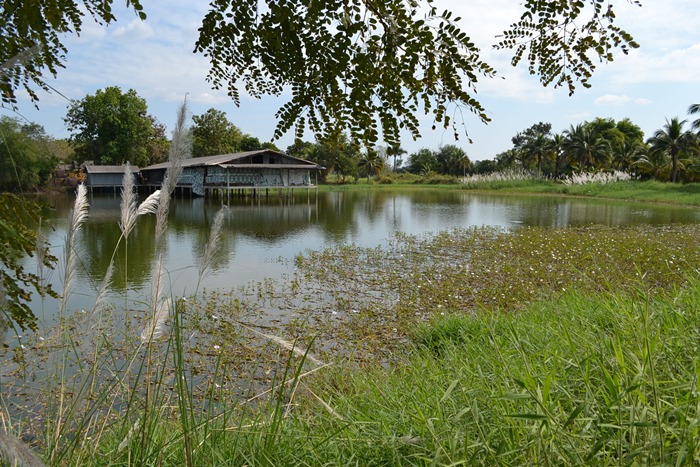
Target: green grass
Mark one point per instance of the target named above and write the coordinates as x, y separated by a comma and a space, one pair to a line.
531, 359
578, 379
646, 191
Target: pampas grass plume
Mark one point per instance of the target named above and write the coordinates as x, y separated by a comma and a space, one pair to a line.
214, 240
77, 218
180, 149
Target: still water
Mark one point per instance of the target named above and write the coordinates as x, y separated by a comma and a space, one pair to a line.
260, 234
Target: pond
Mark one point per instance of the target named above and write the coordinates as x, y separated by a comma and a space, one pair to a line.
259, 235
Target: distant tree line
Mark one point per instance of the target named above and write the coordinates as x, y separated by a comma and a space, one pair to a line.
671, 153
113, 127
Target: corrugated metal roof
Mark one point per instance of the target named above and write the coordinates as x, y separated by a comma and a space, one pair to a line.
228, 159
108, 169
271, 166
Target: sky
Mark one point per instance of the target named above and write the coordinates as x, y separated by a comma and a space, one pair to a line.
656, 82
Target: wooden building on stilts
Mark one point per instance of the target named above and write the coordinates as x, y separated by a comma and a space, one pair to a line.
252, 173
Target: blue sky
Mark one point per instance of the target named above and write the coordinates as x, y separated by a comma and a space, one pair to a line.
660, 80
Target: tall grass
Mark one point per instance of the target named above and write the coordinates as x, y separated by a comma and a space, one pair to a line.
115, 395
579, 379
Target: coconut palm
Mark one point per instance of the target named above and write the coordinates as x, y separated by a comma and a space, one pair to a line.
630, 152
557, 150
695, 109
585, 148
371, 162
395, 151
651, 164
673, 141
536, 149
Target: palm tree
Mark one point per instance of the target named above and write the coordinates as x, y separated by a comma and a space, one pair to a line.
395, 151
673, 141
536, 149
558, 144
630, 151
651, 164
694, 109
372, 162
585, 148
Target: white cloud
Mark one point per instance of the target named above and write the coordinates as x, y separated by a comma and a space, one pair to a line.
135, 30
656, 66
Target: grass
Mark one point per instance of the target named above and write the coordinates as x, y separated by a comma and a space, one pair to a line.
474, 346
595, 378
633, 190
579, 379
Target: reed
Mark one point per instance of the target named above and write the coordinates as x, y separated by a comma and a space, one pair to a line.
207, 258
78, 216
180, 149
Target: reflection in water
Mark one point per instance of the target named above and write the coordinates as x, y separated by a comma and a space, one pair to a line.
259, 231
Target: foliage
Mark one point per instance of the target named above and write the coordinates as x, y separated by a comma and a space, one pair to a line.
586, 149
534, 144
692, 110
355, 65
31, 39
27, 157
559, 41
395, 152
673, 141
424, 160
213, 133
366, 66
452, 160
335, 153
18, 239
158, 145
371, 163
111, 127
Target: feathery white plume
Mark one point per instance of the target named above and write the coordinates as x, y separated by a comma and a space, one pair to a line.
156, 327
129, 202
214, 240
77, 218
160, 304
150, 204
129, 209
180, 149
101, 299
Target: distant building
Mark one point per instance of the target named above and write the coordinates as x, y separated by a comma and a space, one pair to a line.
106, 176
264, 168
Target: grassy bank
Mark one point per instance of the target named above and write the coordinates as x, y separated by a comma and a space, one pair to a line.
646, 191
481, 345
578, 379
476, 346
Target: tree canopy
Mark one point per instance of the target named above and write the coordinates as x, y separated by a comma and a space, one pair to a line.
111, 127
27, 156
360, 66
213, 133
18, 220
31, 39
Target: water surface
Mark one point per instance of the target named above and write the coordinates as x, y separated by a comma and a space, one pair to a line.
259, 234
